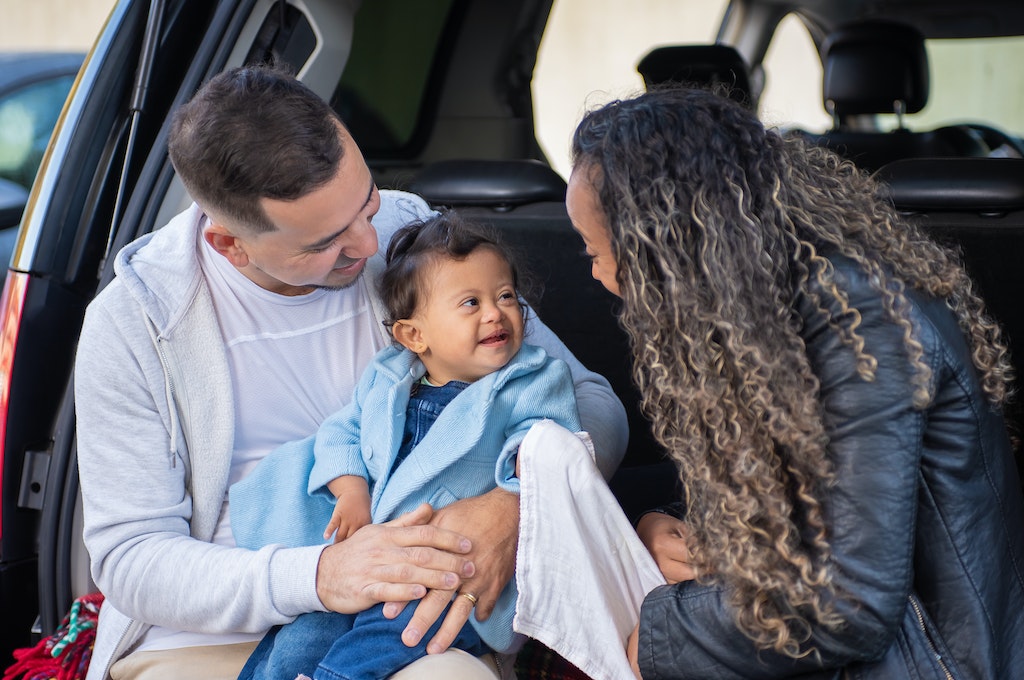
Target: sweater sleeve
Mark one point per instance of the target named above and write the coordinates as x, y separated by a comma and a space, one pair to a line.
688, 630
600, 411
138, 504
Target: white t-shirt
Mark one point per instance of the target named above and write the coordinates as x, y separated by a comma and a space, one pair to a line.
294, 360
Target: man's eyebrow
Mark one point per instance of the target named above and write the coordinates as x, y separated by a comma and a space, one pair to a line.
327, 240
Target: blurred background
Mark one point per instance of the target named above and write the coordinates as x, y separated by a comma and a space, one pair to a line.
600, 43
611, 34
51, 24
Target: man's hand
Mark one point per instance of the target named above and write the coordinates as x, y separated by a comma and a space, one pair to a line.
393, 562
665, 538
491, 521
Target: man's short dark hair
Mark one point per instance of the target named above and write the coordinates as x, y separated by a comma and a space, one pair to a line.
250, 133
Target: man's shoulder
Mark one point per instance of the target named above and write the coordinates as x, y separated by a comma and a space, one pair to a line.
398, 208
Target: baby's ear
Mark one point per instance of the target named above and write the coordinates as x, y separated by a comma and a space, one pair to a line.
408, 334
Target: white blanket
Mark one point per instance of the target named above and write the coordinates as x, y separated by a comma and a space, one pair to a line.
581, 570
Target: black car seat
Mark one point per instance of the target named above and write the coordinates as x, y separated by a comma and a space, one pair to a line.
977, 206
880, 67
708, 66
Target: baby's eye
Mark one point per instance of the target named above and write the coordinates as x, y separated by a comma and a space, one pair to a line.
507, 296
470, 302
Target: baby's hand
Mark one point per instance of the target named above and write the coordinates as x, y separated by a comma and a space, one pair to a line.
352, 510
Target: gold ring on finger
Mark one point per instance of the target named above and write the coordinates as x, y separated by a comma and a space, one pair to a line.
469, 596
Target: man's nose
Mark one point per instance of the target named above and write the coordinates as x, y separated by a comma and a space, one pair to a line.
363, 242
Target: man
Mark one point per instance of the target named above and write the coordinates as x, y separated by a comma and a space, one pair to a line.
237, 327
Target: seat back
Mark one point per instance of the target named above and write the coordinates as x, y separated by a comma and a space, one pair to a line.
498, 184
880, 67
977, 206
706, 66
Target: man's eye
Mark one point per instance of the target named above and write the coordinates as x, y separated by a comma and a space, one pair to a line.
313, 250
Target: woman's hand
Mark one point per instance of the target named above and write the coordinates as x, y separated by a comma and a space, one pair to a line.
393, 562
665, 538
491, 522
633, 651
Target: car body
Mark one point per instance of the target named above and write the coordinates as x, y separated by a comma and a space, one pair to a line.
33, 88
442, 99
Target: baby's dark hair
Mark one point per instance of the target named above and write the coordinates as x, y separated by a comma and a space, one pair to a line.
419, 244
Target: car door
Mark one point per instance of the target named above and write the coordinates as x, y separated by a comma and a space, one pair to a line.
107, 180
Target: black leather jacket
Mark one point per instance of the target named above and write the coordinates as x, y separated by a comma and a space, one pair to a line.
926, 519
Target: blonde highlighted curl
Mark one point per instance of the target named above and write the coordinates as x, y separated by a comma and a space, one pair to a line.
716, 225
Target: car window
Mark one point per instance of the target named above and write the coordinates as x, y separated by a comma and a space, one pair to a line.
793, 79
972, 80
380, 100
27, 117
589, 53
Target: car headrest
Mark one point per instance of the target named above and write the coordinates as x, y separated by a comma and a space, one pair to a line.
982, 185
700, 65
870, 65
493, 183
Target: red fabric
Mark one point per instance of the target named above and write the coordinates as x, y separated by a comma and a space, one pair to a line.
65, 654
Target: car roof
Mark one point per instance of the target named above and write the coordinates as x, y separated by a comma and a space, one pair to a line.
934, 18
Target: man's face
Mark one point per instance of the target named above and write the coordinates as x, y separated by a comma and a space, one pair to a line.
322, 240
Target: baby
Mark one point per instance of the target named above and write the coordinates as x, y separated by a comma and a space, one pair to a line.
436, 418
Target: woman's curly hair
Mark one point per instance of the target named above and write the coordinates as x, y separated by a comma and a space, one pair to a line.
717, 225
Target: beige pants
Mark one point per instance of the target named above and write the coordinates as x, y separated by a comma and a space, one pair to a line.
223, 662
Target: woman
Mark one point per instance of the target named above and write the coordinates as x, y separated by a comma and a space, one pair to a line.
829, 386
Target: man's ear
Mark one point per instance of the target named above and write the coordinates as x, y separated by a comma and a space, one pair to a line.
227, 244
408, 334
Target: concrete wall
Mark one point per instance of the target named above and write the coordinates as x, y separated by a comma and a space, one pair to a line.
51, 24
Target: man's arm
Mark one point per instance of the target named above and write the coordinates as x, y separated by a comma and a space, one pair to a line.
601, 411
137, 489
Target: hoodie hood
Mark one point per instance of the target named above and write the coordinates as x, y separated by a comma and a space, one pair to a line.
161, 269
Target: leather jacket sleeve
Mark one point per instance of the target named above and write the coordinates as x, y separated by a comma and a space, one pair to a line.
688, 630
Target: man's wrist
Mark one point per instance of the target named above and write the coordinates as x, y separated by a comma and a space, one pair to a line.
290, 593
